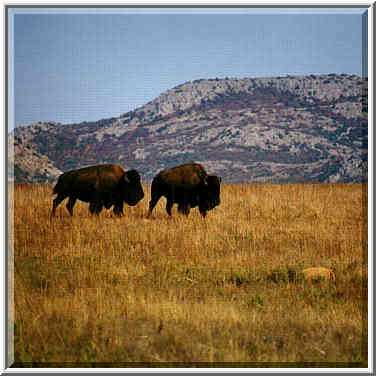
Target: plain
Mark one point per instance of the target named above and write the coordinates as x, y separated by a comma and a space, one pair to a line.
228, 289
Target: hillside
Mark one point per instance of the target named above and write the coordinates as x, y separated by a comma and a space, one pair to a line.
282, 129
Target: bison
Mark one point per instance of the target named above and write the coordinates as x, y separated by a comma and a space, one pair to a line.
103, 185
188, 186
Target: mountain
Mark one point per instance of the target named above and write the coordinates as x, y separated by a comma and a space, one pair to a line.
282, 129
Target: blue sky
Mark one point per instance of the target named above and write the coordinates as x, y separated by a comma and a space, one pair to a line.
84, 65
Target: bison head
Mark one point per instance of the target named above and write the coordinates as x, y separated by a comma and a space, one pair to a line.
210, 195
131, 187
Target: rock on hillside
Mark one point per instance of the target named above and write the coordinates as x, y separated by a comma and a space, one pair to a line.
26, 165
282, 129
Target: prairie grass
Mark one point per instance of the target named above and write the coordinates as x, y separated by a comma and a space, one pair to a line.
222, 291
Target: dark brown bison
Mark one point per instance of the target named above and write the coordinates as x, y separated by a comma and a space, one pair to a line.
103, 185
188, 186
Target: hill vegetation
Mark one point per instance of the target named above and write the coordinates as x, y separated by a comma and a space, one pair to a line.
283, 129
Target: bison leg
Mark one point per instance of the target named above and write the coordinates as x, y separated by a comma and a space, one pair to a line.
187, 209
170, 201
186, 206
107, 202
154, 199
184, 209
98, 208
202, 211
57, 201
70, 204
169, 204
95, 207
118, 209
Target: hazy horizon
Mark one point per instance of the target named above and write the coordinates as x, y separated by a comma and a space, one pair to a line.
71, 66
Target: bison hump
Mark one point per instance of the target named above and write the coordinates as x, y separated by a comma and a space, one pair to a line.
187, 174
100, 176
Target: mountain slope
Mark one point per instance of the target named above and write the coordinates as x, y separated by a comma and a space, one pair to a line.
283, 129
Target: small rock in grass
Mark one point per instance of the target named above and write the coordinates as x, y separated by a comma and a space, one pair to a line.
319, 273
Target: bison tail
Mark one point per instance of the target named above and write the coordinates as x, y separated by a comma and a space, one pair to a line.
55, 191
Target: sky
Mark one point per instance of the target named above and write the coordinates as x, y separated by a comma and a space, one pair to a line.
70, 65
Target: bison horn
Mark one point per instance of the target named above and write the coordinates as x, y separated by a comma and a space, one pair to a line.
126, 178
206, 180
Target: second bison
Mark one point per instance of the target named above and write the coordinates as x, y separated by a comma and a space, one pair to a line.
102, 185
188, 186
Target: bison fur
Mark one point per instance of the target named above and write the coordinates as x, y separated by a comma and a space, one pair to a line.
102, 185
187, 186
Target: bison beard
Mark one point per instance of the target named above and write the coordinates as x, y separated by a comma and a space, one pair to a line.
103, 185
188, 186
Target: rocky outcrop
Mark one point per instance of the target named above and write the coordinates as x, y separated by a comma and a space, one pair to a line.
283, 129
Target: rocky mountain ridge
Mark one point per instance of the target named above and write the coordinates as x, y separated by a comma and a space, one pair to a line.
283, 129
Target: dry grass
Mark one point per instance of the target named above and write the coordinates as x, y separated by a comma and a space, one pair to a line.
107, 291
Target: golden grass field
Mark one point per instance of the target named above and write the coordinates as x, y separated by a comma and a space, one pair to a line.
224, 291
